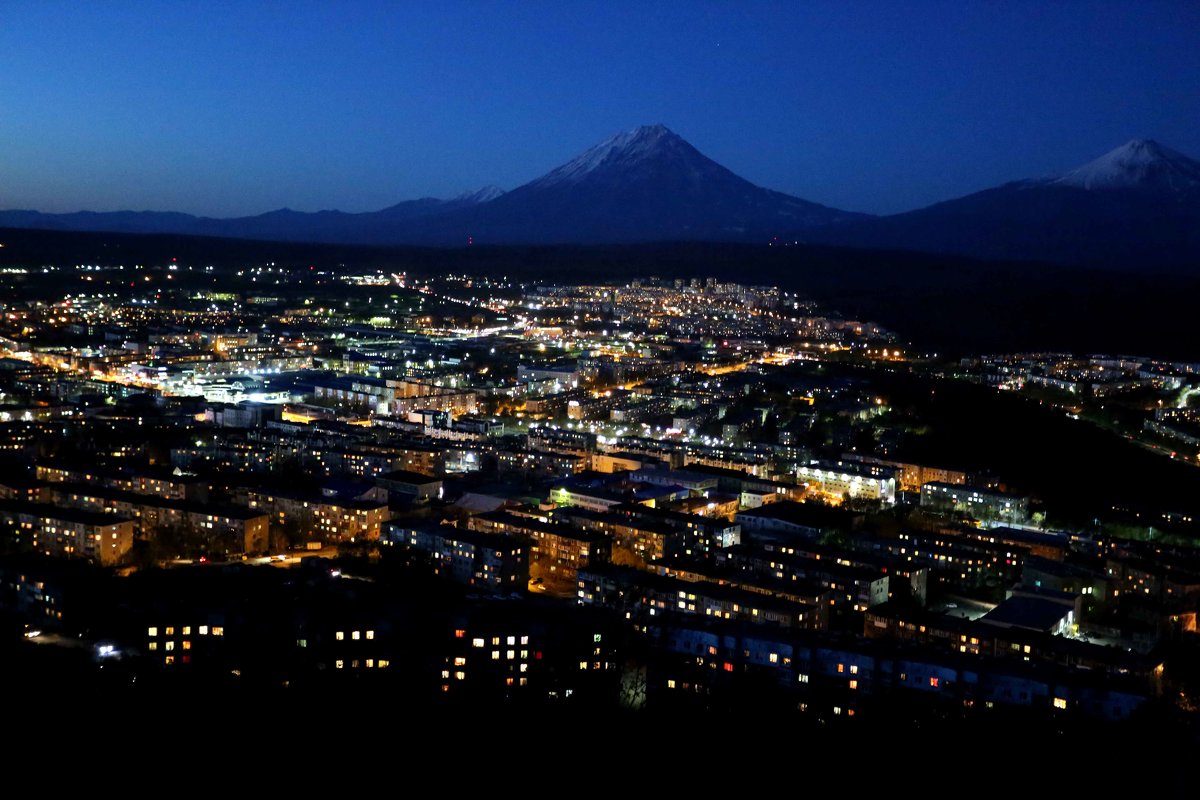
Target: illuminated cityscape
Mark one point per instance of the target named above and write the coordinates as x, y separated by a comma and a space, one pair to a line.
824, 374
662, 493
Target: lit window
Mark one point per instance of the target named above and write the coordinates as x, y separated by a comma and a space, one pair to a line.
170, 646
510, 654
154, 645
512, 640
841, 667
339, 663
495, 655
477, 643
854, 669
187, 630
933, 682
371, 635
495, 641
853, 684
340, 635
524, 640
1060, 702
583, 664
459, 661
460, 675
354, 635
152, 632
802, 678
204, 630
524, 668
168, 632
218, 631
670, 684
187, 645
458, 634
774, 658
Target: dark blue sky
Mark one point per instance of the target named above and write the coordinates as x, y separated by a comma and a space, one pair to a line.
235, 108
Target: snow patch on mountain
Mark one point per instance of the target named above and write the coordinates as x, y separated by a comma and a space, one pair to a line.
483, 195
1137, 164
630, 146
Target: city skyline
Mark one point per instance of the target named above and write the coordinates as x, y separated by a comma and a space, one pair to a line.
864, 107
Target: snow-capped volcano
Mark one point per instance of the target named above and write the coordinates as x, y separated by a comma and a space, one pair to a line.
623, 150
1135, 207
647, 184
644, 185
1141, 164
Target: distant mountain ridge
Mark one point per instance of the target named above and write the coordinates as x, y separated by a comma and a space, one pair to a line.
283, 224
1135, 207
647, 184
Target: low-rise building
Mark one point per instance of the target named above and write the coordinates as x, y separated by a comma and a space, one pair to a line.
975, 502
318, 517
227, 530
837, 480
410, 487
491, 561
66, 532
561, 548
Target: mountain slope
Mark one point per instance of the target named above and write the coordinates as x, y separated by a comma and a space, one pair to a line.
280, 225
647, 184
644, 185
1137, 206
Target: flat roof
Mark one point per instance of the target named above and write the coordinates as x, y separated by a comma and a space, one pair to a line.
813, 515
531, 524
1022, 611
133, 498
408, 476
50, 511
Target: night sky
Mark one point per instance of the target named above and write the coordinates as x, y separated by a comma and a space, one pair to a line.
238, 108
